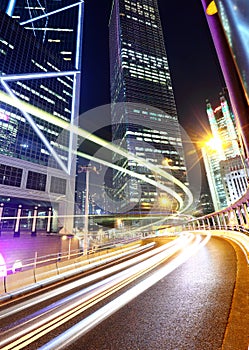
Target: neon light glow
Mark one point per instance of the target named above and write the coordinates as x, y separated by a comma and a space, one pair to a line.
35, 127
11, 7
79, 36
14, 77
28, 76
52, 13
217, 109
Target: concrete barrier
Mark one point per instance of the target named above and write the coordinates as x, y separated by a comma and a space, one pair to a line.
64, 266
33, 280
44, 272
19, 280
2, 289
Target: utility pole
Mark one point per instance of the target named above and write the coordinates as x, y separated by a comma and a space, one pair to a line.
87, 170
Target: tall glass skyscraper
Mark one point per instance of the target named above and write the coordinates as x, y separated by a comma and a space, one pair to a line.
146, 122
40, 59
53, 23
221, 151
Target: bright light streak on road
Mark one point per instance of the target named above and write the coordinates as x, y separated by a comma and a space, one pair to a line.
70, 307
49, 295
94, 319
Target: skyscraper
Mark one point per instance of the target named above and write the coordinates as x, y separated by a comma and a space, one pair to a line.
221, 153
39, 89
146, 124
54, 23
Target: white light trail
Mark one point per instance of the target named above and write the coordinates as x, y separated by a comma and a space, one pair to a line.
51, 13
108, 145
35, 128
89, 279
28, 76
100, 315
50, 320
11, 7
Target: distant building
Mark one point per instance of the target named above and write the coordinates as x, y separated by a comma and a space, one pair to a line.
221, 152
234, 175
39, 89
212, 156
204, 205
146, 124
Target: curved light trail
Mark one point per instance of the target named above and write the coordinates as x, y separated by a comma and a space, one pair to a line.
100, 315
68, 308
27, 108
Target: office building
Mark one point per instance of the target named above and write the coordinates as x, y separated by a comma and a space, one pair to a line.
39, 89
223, 128
203, 205
223, 148
212, 156
58, 31
144, 114
234, 174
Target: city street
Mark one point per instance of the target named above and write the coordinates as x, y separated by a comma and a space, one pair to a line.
184, 309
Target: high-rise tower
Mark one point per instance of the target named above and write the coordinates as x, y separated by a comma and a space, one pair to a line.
54, 23
222, 153
40, 61
146, 124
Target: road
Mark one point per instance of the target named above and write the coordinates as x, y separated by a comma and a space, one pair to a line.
184, 309
187, 309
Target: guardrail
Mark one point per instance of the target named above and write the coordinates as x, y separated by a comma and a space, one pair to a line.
34, 273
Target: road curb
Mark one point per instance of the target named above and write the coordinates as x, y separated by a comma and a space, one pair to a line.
237, 331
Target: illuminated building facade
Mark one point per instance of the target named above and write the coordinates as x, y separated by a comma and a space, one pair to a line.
146, 124
222, 149
59, 30
234, 175
39, 90
204, 205
212, 156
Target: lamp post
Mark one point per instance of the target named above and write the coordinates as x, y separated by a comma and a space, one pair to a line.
87, 170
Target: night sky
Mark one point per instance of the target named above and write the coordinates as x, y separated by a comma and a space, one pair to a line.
194, 66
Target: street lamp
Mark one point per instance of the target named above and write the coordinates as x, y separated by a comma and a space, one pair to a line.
87, 170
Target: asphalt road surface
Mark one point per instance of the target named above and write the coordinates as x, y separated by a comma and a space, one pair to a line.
186, 310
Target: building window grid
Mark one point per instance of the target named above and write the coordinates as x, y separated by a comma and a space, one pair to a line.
58, 185
10, 175
36, 181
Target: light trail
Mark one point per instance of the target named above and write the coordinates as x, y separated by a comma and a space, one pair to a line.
79, 283
26, 108
90, 296
94, 319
